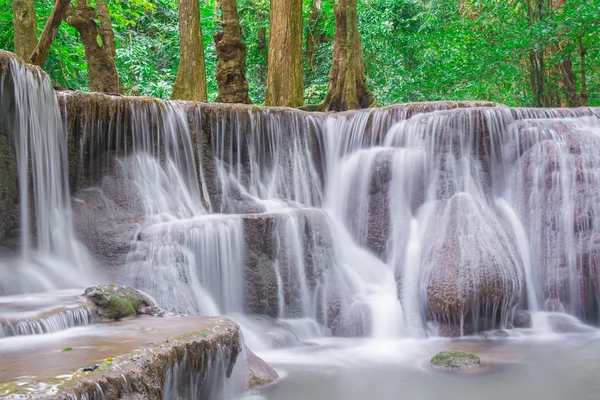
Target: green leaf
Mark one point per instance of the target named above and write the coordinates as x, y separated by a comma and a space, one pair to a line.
67, 349
99, 40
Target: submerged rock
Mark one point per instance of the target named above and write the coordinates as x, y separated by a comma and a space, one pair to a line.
454, 359
119, 302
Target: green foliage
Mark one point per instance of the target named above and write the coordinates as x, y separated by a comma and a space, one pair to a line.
415, 50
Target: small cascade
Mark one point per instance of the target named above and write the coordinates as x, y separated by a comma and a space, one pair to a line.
201, 259
51, 256
553, 188
267, 159
216, 377
57, 321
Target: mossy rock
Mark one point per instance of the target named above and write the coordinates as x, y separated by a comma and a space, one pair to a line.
118, 302
454, 359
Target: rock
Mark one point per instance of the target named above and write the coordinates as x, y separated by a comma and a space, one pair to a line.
259, 372
522, 319
471, 262
455, 360
564, 323
197, 363
119, 302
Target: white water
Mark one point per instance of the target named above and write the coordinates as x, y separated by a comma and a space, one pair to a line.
379, 223
55, 258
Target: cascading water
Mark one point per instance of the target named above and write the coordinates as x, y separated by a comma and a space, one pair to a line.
368, 223
407, 221
51, 256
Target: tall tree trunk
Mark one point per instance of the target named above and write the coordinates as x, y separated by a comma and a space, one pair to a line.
285, 82
190, 83
347, 81
99, 45
584, 92
568, 83
42, 49
231, 52
314, 33
25, 24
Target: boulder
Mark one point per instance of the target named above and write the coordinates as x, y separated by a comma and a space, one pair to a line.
259, 372
522, 319
455, 360
471, 265
114, 302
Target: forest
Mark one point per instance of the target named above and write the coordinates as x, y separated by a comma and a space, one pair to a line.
319, 54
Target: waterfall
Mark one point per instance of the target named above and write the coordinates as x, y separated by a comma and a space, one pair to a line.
407, 220
51, 256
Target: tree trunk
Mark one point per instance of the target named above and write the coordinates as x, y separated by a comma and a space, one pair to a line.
25, 25
190, 83
285, 82
42, 49
568, 83
347, 81
584, 92
231, 52
99, 45
314, 33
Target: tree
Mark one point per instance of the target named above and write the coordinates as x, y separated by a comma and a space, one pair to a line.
231, 52
25, 24
347, 80
285, 80
313, 34
99, 42
190, 83
39, 55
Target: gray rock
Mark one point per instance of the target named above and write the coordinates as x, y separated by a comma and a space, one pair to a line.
119, 302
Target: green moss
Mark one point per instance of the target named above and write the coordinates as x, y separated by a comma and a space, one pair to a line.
120, 307
455, 360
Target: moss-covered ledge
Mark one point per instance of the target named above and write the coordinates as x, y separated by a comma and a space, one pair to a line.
136, 365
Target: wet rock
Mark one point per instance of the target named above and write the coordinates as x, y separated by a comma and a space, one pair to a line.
197, 363
564, 323
261, 291
105, 228
522, 319
118, 302
455, 360
259, 372
278, 333
471, 262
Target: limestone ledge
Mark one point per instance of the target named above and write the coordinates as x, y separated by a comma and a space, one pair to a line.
140, 373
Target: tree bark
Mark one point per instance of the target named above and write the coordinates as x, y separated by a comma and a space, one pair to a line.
40, 54
231, 53
99, 45
190, 83
347, 80
568, 83
25, 27
285, 81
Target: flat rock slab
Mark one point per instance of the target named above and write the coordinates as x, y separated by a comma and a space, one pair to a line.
51, 365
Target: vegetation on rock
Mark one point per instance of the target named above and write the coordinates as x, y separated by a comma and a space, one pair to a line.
118, 302
454, 359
